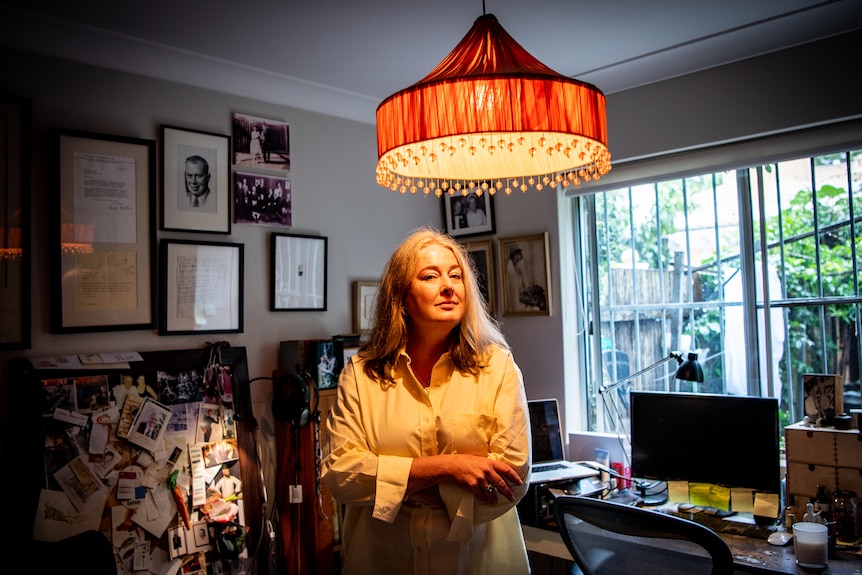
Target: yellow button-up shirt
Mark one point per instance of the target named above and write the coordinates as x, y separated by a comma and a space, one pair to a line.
373, 433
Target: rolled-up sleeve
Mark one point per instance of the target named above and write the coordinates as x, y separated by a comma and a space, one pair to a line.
351, 470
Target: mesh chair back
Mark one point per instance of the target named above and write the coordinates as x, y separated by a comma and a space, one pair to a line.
607, 538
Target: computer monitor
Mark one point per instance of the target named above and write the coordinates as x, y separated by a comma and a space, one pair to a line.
706, 438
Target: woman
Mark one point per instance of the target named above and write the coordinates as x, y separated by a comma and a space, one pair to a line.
429, 437
255, 146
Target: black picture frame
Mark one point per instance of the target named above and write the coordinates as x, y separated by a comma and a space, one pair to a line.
15, 192
202, 287
103, 233
298, 274
455, 216
186, 153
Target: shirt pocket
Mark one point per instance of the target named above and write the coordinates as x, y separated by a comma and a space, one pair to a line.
468, 433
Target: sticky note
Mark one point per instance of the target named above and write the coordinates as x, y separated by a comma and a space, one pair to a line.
741, 500
699, 494
766, 504
677, 491
719, 497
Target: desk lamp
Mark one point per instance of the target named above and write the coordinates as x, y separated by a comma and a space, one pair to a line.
688, 370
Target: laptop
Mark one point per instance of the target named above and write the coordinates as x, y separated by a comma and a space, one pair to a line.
549, 463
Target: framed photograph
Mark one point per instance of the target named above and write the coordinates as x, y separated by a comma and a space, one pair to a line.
261, 199
526, 270
195, 181
483, 257
15, 224
469, 214
823, 397
104, 233
364, 304
261, 143
202, 287
150, 425
329, 361
297, 272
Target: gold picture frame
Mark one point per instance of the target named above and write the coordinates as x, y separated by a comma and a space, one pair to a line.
526, 273
482, 253
364, 304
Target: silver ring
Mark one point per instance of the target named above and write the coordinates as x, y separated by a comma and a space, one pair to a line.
489, 489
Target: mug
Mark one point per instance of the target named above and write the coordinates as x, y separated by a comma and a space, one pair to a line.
811, 544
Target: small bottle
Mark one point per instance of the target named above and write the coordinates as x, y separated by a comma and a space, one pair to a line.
789, 517
823, 504
844, 514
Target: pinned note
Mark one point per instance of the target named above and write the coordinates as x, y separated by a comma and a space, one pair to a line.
741, 500
677, 491
766, 505
710, 495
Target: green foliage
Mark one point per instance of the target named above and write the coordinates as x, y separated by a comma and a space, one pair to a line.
814, 261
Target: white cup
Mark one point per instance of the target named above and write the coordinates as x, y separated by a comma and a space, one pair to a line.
811, 544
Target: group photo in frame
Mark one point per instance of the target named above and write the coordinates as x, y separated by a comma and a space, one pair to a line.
297, 272
469, 214
202, 287
482, 254
261, 143
364, 304
262, 199
195, 181
103, 227
526, 274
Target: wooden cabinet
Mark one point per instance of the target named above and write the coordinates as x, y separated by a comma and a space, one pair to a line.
821, 456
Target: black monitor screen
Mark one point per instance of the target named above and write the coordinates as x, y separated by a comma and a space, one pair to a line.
706, 438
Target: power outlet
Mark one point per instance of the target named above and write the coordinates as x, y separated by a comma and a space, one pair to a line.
295, 494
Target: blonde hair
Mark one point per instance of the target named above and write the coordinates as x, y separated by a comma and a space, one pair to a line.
469, 341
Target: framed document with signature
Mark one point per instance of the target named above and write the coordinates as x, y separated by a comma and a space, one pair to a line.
103, 230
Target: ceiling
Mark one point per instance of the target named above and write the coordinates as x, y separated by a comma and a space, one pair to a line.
343, 57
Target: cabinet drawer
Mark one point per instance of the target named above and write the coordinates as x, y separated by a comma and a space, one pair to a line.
850, 479
803, 478
848, 447
810, 445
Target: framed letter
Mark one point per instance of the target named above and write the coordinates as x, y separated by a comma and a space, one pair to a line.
526, 271
202, 287
104, 233
195, 181
297, 273
469, 215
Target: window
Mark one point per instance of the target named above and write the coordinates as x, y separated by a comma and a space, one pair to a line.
677, 264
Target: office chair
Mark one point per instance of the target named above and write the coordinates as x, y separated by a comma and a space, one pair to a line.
607, 538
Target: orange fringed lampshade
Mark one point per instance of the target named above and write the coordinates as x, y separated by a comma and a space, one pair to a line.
491, 117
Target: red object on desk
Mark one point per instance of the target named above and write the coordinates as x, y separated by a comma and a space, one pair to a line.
627, 472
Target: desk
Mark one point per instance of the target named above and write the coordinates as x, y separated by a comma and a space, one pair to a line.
749, 555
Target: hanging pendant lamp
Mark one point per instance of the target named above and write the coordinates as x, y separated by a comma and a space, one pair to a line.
491, 117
